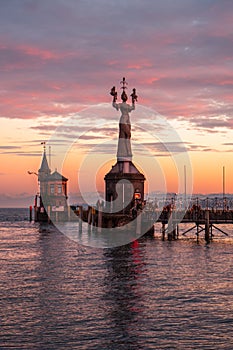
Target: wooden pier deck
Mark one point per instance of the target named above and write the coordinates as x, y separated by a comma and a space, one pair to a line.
203, 220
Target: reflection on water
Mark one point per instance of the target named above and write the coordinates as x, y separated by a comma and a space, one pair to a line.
124, 293
149, 294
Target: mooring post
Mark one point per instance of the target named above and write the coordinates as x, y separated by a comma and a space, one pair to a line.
80, 218
30, 213
163, 231
173, 224
174, 231
99, 217
197, 233
89, 219
170, 226
207, 226
92, 216
211, 231
89, 215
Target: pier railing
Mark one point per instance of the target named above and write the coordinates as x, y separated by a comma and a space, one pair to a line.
212, 203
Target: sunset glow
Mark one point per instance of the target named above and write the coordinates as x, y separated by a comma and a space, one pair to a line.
59, 61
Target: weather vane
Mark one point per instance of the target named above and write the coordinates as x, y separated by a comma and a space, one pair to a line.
44, 145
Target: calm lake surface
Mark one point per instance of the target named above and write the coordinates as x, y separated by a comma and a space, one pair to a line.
58, 294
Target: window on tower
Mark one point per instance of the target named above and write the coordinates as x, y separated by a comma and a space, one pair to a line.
52, 189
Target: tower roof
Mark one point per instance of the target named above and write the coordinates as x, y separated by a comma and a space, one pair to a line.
118, 168
57, 176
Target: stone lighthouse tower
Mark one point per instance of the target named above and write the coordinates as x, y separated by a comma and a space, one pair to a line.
124, 184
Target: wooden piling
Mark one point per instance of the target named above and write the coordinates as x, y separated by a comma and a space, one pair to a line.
207, 226
174, 232
30, 213
80, 208
170, 226
89, 215
197, 233
89, 219
169, 235
100, 214
211, 231
173, 224
163, 231
92, 216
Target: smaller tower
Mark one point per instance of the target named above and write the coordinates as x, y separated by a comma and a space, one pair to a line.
53, 194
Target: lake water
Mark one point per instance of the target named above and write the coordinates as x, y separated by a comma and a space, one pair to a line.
150, 294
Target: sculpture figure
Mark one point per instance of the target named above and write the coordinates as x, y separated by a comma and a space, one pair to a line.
124, 152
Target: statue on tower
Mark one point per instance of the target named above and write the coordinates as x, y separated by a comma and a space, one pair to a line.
124, 152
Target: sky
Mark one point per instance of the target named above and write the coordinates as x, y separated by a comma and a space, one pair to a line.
58, 62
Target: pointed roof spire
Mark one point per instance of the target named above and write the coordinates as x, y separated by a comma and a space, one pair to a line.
44, 164
44, 168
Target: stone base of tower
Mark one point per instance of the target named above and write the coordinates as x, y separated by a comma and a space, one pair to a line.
124, 187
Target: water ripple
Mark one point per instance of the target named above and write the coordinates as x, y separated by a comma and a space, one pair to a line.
56, 294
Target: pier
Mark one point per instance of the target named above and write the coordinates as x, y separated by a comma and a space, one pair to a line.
203, 220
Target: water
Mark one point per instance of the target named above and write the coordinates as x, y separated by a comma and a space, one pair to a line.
57, 294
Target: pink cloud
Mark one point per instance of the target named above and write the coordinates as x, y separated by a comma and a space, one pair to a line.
177, 58
37, 52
